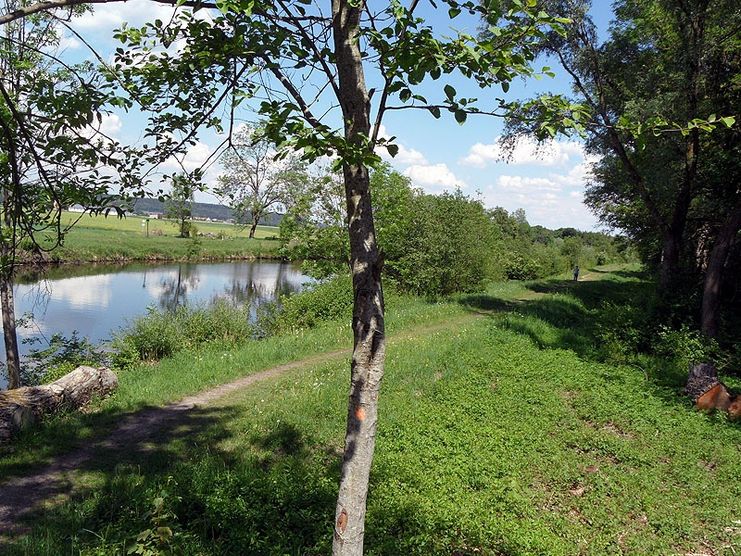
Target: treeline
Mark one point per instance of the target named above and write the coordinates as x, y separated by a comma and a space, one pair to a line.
660, 98
213, 211
438, 244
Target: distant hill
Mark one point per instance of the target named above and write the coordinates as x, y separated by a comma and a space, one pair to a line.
200, 210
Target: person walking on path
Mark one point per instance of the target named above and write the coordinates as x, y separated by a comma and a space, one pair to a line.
576, 273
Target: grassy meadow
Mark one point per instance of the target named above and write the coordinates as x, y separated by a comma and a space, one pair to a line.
502, 430
101, 238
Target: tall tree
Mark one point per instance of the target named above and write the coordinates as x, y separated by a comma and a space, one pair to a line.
255, 180
646, 92
269, 52
51, 148
179, 205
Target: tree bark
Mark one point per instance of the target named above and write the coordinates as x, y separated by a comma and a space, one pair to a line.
366, 370
710, 316
254, 227
12, 357
22, 407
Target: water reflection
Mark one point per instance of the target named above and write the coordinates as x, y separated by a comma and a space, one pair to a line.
97, 300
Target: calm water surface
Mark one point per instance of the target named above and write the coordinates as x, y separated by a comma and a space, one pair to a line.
98, 300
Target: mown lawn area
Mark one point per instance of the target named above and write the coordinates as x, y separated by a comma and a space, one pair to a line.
95, 238
500, 433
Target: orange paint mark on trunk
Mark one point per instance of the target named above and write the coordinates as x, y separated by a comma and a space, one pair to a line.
360, 413
342, 521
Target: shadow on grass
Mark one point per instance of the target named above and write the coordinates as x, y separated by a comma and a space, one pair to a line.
274, 496
575, 315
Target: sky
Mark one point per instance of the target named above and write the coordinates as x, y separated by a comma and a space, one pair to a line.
437, 155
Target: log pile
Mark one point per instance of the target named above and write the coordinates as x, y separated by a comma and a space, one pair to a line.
25, 406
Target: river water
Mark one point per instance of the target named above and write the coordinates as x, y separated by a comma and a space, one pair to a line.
97, 300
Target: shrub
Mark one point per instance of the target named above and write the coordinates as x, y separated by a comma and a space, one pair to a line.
60, 357
160, 334
328, 300
685, 346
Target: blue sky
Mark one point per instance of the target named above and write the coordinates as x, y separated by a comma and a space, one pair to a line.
437, 155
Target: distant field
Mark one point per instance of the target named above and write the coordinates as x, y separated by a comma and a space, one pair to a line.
133, 223
96, 238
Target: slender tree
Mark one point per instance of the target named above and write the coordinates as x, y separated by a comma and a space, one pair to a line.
51, 149
269, 52
254, 180
179, 205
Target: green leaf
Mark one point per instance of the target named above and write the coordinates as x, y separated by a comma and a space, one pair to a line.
728, 120
460, 116
453, 12
392, 149
449, 92
435, 111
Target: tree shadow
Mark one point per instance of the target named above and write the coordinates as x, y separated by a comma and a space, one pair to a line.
276, 494
583, 317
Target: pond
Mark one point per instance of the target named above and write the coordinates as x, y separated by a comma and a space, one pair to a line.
97, 300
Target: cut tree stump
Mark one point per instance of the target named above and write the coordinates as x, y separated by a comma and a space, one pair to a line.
22, 407
709, 393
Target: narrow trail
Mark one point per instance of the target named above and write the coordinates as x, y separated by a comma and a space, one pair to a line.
54, 484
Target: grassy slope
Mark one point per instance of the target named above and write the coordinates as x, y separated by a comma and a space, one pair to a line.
499, 435
100, 238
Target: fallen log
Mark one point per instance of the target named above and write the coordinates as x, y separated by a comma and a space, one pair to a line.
708, 392
22, 407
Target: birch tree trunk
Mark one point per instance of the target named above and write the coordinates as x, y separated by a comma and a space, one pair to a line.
368, 322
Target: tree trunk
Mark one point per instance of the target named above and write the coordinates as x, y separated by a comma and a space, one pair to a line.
672, 237
255, 220
24, 406
710, 315
12, 357
669, 261
366, 370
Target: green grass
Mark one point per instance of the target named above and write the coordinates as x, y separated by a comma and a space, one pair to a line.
502, 433
99, 238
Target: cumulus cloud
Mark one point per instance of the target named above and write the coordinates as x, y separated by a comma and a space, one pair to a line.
433, 175
110, 125
195, 157
554, 200
68, 42
406, 156
111, 16
526, 151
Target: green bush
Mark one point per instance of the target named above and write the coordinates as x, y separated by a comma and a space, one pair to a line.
685, 346
449, 246
61, 356
327, 300
160, 334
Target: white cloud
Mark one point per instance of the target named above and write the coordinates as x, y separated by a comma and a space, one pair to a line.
406, 156
68, 42
111, 16
520, 183
195, 157
526, 151
553, 200
110, 125
431, 175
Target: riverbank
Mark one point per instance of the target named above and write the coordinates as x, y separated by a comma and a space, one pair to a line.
112, 239
502, 429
